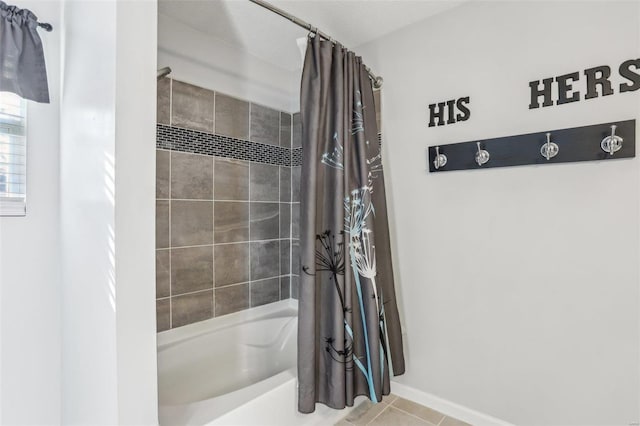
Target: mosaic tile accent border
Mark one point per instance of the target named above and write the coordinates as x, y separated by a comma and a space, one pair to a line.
296, 157
195, 142
192, 141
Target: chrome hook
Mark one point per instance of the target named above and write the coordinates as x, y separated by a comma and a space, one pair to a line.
612, 143
482, 156
440, 160
549, 149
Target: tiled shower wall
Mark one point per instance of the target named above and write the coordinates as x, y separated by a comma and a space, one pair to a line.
228, 202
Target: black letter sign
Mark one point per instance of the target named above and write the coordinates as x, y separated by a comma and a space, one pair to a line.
593, 81
465, 113
536, 93
625, 71
564, 87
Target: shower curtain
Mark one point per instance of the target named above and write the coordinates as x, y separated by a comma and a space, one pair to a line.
349, 332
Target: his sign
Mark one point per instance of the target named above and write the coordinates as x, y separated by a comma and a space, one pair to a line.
438, 111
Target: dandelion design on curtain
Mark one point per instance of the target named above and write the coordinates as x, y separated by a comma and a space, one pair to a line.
349, 334
330, 256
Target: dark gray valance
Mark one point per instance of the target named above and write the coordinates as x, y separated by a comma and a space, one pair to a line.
22, 67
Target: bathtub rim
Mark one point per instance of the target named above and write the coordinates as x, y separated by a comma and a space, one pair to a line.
169, 337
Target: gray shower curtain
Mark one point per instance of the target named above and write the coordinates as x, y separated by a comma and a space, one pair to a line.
349, 332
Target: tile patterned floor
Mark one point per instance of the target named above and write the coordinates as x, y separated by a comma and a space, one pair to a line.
396, 411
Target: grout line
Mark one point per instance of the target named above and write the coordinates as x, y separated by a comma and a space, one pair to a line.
265, 279
223, 244
291, 213
249, 223
170, 262
377, 415
188, 293
279, 217
279, 128
214, 288
249, 122
229, 201
213, 293
170, 102
419, 418
214, 111
213, 208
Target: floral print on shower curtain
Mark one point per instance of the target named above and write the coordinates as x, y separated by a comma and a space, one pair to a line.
349, 336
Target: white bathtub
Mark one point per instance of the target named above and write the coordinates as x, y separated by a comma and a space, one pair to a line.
210, 368
239, 369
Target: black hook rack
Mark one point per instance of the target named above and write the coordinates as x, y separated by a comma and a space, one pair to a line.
586, 143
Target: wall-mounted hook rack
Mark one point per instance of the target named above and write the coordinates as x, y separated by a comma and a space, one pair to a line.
612, 143
549, 149
482, 155
440, 160
586, 143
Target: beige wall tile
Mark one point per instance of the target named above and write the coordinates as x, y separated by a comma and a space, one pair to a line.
190, 308
232, 117
231, 179
230, 221
162, 273
162, 173
285, 130
232, 299
191, 176
265, 182
265, 291
264, 221
163, 101
265, 259
191, 223
163, 315
191, 269
162, 224
192, 107
265, 125
232, 263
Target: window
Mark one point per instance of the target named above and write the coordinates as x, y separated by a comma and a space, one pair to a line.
13, 155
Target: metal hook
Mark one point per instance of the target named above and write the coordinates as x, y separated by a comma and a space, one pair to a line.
612, 143
549, 149
440, 160
482, 156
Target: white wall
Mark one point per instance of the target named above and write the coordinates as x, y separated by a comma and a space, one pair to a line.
209, 62
519, 286
89, 379
107, 205
29, 262
135, 171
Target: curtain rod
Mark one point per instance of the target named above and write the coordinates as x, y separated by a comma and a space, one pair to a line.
377, 80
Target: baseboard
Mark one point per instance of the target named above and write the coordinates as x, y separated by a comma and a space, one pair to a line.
446, 407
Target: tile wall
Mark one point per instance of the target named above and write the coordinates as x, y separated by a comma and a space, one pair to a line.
228, 201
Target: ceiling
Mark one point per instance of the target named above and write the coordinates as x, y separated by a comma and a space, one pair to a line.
273, 39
